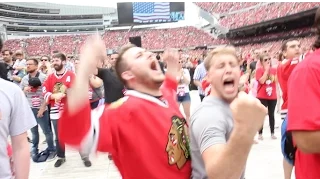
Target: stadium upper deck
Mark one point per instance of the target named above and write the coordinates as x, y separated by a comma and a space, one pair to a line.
39, 17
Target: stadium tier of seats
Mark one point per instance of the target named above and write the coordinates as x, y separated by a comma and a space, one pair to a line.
241, 14
259, 12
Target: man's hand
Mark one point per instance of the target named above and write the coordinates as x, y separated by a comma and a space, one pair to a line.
27, 89
171, 57
40, 112
92, 53
16, 78
47, 64
57, 97
248, 113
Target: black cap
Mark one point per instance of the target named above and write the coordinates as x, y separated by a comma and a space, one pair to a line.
34, 82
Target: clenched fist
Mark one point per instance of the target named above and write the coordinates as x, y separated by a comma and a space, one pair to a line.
248, 113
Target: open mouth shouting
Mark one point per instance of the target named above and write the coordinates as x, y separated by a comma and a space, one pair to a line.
229, 85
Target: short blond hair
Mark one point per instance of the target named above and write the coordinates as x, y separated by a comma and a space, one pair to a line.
228, 50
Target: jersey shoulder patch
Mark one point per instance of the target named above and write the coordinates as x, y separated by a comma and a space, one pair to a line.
118, 103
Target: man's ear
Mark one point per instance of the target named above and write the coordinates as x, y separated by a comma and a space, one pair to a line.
127, 75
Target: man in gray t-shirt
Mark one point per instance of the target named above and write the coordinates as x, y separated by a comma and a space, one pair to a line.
211, 124
16, 118
223, 127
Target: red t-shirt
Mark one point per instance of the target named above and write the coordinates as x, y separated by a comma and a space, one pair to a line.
147, 136
267, 90
284, 71
304, 114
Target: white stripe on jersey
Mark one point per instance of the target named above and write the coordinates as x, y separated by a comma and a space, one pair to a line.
90, 141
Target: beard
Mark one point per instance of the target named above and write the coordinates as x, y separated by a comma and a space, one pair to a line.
31, 71
6, 59
58, 67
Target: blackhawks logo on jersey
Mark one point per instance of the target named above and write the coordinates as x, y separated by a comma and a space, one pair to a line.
118, 103
178, 148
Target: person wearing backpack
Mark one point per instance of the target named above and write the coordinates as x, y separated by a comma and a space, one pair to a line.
31, 84
304, 114
291, 51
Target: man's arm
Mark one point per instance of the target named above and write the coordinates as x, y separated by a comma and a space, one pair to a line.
227, 161
24, 84
21, 156
222, 159
197, 77
77, 121
16, 78
95, 81
172, 73
46, 92
21, 120
304, 115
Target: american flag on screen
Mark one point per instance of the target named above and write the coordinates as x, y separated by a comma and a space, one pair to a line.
148, 12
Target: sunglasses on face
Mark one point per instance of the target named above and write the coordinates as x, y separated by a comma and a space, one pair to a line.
268, 59
44, 59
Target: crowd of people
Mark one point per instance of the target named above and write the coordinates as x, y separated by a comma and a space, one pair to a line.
111, 103
153, 39
247, 13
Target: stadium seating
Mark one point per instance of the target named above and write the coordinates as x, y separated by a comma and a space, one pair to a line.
243, 13
261, 13
224, 7
152, 39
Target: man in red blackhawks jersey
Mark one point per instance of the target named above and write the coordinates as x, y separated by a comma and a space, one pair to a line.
144, 131
54, 90
291, 50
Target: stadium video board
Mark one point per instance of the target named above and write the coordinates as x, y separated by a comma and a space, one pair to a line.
149, 12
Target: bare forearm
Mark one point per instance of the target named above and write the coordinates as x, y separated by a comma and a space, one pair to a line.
230, 164
95, 82
16, 78
78, 92
307, 141
197, 83
43, 105
49, 70
263, 79
21, 156
19, 68
186, 80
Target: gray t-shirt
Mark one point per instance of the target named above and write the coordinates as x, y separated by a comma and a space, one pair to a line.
97, 93
35, 99
211, 124
16, 118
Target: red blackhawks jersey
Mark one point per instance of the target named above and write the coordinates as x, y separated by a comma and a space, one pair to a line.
57, 84
284, 71
147, 136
